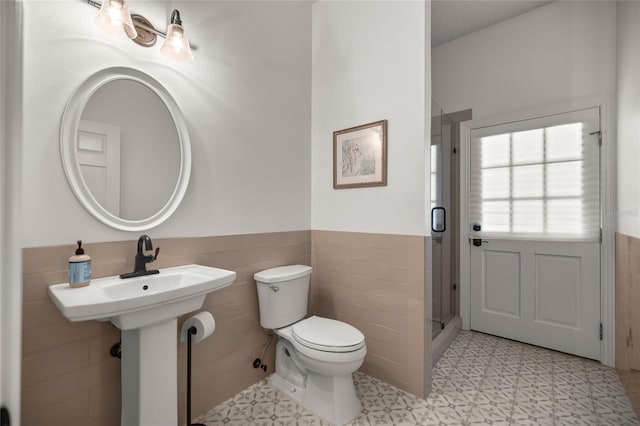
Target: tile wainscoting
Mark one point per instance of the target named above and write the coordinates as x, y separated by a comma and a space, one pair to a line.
628, 315
68, 376
376, 282
627, 297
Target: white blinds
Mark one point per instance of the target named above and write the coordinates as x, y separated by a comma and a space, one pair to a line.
537, 178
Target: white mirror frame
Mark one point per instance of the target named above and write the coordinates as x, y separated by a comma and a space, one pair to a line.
68, 142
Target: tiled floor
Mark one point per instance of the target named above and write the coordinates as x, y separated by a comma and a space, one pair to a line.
479, 380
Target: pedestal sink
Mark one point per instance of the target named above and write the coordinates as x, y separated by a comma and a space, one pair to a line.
146, 310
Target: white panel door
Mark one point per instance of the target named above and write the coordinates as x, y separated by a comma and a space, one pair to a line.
99, 160
538, 292
534, 205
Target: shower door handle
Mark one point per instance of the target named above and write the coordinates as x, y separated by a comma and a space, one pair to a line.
4, 417
438, 219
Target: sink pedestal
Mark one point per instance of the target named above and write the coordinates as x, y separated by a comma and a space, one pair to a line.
149, 375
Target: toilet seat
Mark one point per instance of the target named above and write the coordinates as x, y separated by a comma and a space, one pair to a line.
327, 335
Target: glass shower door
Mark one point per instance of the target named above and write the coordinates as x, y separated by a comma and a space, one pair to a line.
442, 220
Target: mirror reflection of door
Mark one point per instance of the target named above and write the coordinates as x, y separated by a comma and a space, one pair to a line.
149, 147
99, 160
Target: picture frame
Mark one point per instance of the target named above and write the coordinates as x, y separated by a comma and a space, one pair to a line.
360, 156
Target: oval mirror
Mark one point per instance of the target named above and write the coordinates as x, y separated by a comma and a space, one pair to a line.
125, 149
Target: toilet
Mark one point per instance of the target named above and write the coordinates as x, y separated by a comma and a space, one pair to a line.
315, 357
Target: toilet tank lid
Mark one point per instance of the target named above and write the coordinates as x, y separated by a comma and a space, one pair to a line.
282, 273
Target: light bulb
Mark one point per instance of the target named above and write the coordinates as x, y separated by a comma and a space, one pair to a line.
176, 45
115, 20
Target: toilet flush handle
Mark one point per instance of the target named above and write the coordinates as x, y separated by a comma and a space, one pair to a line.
275, 288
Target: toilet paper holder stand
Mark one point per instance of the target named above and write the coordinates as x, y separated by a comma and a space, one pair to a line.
204, 324
190, 332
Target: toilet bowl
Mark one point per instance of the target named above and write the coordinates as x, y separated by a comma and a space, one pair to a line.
315, 357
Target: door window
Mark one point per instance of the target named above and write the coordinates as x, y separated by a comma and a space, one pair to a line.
537, 177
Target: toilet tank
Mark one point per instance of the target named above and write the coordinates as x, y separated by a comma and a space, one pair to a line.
282, 295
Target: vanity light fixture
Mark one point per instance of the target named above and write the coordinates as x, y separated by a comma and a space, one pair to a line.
176, 44
114, 19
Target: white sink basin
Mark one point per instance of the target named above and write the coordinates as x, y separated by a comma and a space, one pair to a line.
137, 302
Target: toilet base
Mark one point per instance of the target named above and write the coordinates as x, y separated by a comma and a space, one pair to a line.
292, 391
332, 398
331, 395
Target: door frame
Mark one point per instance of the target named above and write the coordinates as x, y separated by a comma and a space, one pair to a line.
607, 206
109, 153
11, 39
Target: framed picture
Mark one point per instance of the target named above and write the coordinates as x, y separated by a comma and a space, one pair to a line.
360, 156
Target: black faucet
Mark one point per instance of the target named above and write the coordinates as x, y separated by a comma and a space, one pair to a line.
140, 268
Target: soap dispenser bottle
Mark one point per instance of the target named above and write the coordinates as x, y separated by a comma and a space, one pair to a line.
79, 268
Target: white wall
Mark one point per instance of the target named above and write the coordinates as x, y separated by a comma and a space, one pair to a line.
628, 67
246, 99
555, 53
369, 64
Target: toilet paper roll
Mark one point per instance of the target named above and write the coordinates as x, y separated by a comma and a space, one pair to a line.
203, 322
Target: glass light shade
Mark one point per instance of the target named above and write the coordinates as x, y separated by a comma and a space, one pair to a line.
114, 19
176, 45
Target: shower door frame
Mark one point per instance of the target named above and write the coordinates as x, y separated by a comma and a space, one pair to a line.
448, 243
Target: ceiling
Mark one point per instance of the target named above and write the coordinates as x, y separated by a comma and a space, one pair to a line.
451, 19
